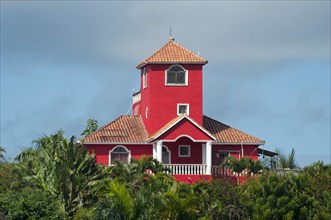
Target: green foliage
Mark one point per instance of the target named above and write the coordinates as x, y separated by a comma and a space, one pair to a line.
30, 204
2, 154
91, 126
63, 168
57, 178
286, 161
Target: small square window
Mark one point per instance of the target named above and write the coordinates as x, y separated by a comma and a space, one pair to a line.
184, 151
183, 109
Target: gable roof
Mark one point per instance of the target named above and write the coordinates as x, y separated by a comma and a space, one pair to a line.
226, 134
175, 121
124, 129
172, 52
131, 129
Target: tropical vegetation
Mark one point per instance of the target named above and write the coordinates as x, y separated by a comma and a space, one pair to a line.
57, 178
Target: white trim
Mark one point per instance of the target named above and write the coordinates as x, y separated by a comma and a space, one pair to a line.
208, 157
187, 108
159, 151
184, 135
114, 148
193, 122
244, 143
119, 143
164, 146
189, 150
154, 151
203, 153
173, 84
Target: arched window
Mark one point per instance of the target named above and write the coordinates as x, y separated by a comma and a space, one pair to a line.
166, 155
176, 75
119, 153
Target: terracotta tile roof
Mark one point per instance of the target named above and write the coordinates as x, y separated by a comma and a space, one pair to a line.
124, 129
131, 129
226, 134
172, 52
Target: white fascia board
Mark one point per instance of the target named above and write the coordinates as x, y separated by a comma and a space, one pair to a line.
239, 143
118, 143
193, 122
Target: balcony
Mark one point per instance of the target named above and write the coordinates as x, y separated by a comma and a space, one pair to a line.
187, 169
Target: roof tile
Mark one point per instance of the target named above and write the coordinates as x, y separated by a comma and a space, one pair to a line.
124, 129
172, 52
226, 134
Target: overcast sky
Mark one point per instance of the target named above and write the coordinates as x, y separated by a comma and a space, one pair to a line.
63, 62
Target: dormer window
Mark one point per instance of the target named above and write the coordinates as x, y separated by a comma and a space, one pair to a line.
176, 75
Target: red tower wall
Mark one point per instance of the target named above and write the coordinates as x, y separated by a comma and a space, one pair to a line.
161, 99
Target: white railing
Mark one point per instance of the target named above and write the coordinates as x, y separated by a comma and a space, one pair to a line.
136, 97
187, 169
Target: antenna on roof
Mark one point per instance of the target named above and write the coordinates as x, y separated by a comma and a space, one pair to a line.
170, 35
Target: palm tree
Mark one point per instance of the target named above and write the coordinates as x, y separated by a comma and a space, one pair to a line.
2, 154
64, 168
235, 165
286, 161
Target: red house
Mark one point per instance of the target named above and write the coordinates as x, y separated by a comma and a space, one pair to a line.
167, 121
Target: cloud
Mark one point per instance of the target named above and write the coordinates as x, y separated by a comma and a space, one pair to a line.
110, 32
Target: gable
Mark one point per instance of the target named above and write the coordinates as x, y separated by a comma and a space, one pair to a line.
182, 126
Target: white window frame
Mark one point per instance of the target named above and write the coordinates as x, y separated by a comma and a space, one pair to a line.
114, 148
144, 77
189, 150
174, 84
187, 109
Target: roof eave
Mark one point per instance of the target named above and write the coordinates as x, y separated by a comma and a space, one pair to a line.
144, 63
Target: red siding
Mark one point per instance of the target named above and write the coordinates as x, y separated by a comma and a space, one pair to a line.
162, 100
102, 151
196, 151
235, 150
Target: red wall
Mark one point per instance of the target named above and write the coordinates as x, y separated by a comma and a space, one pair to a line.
196, 151
102, 151
235, 150
162, 100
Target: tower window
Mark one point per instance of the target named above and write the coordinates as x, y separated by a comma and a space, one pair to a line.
144, 77
176, 75
183, 109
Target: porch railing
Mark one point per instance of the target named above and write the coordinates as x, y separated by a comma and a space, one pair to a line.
188, 169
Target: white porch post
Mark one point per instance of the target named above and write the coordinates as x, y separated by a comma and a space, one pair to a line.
208, 157
154, 151
159, 151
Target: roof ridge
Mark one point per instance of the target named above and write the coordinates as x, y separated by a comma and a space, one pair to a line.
172, 52
190, 51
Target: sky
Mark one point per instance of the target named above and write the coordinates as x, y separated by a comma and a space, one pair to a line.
268, 71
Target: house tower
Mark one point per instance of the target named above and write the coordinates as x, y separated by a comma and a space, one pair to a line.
170, 85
